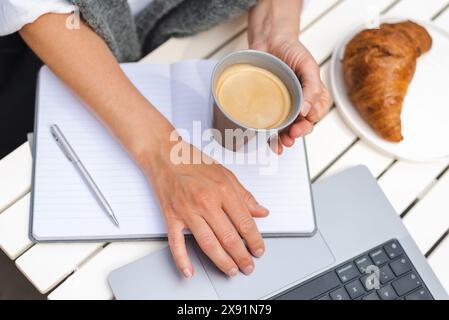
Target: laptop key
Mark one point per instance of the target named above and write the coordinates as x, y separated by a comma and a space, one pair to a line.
393, 250
347, 272
367, 284
400, 266
387, 293
379, 257
386, 275
372, 275
355, 289
407, 283
340, 294
372, 296
363, 262
420, 294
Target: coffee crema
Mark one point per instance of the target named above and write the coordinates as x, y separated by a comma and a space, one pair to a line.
253, 96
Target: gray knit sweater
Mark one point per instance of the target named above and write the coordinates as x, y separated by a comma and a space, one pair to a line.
130, 37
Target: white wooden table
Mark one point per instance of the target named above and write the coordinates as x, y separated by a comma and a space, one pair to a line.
419, 192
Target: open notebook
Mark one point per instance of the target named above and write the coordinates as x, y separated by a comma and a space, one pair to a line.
63, 208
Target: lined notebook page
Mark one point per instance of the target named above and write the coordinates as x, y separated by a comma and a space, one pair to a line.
285, 191
64, 208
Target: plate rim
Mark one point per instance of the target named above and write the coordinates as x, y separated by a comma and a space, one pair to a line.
335, 59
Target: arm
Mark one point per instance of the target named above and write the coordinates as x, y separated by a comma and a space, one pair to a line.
82, 60
207, 199
275, 28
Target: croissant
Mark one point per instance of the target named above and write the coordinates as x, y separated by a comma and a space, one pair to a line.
378, 66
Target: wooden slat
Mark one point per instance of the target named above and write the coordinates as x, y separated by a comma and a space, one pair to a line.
90, 280
439, 261
46, 265
358, 154
429, 219
14, 238
443, 20
328, 139
405, 181
315, 10
417, 9
15, 175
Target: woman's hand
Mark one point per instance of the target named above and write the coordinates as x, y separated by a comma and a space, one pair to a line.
207, 199
274, 28
316, 96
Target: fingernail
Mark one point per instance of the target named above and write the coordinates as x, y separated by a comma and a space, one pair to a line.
233, 272
257, 207
305, 108
297, 134
187, 273
259, 252
248, 269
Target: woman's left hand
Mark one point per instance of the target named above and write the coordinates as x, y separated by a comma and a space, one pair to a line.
274, 28
317, 99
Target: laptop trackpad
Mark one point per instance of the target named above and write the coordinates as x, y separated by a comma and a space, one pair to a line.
285, 261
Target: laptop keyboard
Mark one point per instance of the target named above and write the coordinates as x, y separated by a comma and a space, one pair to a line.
382, 273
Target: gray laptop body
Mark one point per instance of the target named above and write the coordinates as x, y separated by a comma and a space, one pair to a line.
353, 216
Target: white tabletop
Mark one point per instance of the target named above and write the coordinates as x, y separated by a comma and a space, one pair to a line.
419, 192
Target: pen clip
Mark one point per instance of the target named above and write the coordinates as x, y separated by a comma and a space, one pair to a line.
61, 145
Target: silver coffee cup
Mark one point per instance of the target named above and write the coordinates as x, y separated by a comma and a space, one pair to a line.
229, 132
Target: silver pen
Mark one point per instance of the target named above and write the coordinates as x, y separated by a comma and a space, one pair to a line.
73, 157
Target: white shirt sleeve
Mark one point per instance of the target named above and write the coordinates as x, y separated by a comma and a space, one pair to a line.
14, 14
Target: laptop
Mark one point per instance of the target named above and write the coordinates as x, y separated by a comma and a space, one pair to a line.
361, 250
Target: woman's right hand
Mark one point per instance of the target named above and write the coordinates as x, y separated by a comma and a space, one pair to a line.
207, 199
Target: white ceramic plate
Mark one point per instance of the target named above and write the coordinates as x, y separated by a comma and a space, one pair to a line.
425, 113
